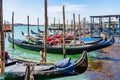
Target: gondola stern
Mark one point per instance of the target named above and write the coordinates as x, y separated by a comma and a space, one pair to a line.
81, 64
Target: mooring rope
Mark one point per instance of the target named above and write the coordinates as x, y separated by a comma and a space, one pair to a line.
5, 75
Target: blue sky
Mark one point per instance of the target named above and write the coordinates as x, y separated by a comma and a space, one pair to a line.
35, 9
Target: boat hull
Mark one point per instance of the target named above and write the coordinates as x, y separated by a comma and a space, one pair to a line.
48, 70
59, 50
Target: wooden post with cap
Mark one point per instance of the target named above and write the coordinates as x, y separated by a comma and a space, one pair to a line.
64, 51
2, 42
13, 29
54, 26
58, 25
71, 25
79, 26
46, 28
38, 24
5, 27
74, 29
28, 28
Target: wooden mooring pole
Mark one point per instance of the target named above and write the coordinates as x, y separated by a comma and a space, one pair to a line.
28, 28
38, 24
74, 29
46, 31
54, 26
71, 26
64, 51
29, 72
13, 29
84, 26
5, 27
2, 55
67, 27
58, 25
79, 26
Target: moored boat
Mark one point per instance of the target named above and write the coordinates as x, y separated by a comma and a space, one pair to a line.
39, 34
57, 39
7, 28
33, 39
39, 31
70, 49
62, 68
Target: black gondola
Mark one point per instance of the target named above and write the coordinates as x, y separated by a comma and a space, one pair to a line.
39, 31
86, 40
70, 49
37, 34
59, 69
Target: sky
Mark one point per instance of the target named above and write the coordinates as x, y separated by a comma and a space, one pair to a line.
35, 9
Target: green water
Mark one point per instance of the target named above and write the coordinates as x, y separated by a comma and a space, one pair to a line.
18, 52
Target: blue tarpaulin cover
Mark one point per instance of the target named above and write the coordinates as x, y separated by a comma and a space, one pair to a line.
68, 69
63, 63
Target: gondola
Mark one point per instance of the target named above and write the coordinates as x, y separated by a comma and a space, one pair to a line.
39, 34
39, 31
33, 39
70, 49
33, 32
86, 40
55, 29
62, 68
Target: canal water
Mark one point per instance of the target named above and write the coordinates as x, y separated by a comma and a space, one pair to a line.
98, 60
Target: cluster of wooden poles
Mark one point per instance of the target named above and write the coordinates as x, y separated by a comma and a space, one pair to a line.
73, 26
2, 55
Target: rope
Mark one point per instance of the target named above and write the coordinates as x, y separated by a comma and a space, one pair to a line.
5, 75
76, 72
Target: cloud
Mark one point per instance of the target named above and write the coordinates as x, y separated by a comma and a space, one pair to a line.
72, 8
68, 8
56, 11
